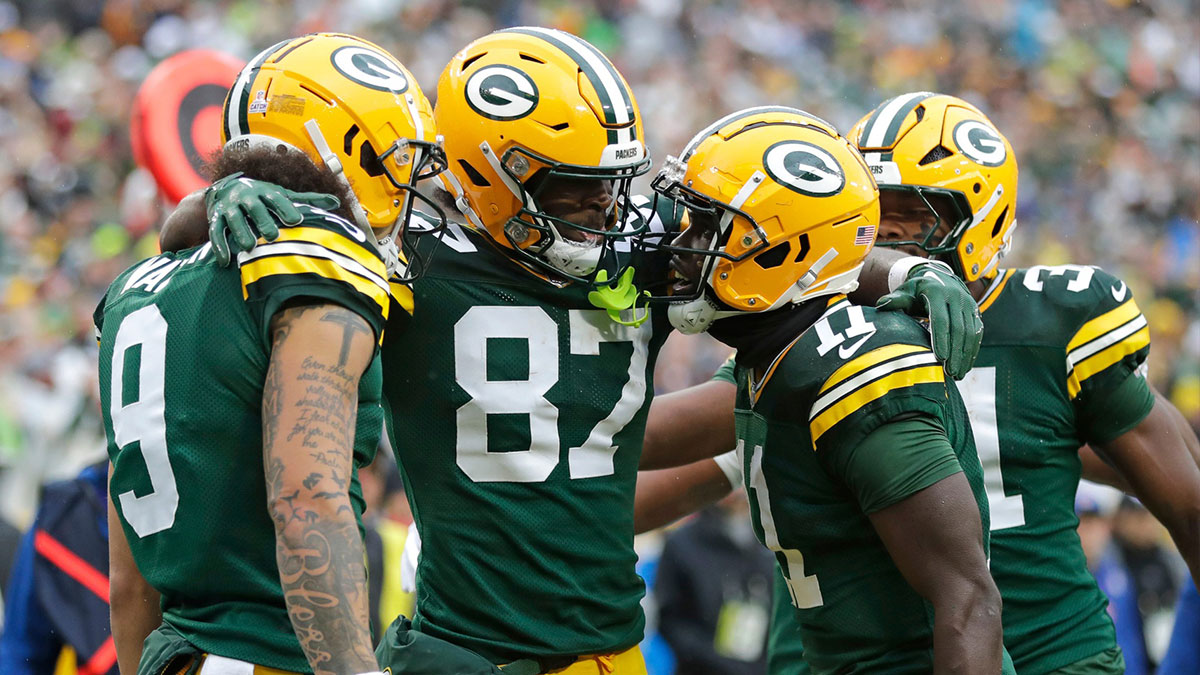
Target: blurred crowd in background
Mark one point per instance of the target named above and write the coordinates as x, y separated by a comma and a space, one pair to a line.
1101, 100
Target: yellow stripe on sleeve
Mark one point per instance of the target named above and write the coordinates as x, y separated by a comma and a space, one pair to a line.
1104, 323
334, 242
867, 360
403, 295
254, 270
870, 392
1103, 359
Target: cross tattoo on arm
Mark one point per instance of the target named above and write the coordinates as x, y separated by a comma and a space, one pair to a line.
351, 324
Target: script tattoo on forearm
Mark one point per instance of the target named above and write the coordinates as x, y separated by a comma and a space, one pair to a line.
318, 548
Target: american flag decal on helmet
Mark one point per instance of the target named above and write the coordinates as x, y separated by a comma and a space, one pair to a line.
865, 235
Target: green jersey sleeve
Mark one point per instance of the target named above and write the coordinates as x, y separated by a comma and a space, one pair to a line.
1105, 361
873, 388
726, 373
897, 459
324, 257
98, 316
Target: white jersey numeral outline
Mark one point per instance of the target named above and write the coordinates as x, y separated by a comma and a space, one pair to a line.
587, 330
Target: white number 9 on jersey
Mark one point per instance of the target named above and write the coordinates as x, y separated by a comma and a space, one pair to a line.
143, 420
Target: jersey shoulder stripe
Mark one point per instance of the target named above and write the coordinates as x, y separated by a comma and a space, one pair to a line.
1104, 341
865, 361
323, 257
403, 295
870, 377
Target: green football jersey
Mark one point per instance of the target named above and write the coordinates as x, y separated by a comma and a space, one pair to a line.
798, 432
1062, 347
517, 411
785, 647
184, 352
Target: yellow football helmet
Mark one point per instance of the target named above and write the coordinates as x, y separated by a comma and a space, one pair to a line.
526, 104
781, 209
937, 144
351, 107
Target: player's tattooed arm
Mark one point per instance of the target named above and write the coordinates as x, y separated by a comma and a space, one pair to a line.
133, 603
310, 402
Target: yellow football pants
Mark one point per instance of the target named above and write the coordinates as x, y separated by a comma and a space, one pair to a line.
628, 662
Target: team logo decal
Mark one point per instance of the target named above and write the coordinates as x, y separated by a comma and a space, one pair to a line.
501, 93
805, 168
980, 142
370, 69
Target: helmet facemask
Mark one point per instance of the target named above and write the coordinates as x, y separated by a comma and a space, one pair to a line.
940, 240
528, 176
406, 163
692, 304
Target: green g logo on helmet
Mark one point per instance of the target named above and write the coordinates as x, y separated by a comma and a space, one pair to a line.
980, 143
804, 168
370, 69
501, 93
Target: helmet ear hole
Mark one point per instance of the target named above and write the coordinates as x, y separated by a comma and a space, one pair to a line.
938, 152
476, 177
774, 256
369, 161
999, 222
804, 248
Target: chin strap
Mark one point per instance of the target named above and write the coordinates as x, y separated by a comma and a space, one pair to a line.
618, 297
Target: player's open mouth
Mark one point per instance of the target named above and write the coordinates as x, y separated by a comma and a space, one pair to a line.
678, 276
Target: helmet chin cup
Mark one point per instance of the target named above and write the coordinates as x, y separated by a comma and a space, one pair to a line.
578, 260
692, 316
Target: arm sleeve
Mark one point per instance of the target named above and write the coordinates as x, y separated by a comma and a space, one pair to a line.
897, 459
1112, 342
872, 389
320, 259
1122, 407
1105, 362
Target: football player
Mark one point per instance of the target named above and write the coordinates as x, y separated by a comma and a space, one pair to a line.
1062, 364
238, 403
517, 405
857, 456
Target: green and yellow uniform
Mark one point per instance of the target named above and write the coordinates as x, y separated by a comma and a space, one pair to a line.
1060, 366
517, 411
811, 487
184, 352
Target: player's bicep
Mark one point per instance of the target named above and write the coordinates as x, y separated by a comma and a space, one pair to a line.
310, 398
935, 537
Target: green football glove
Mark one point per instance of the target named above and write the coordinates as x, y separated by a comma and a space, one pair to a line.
242, 207
932, 291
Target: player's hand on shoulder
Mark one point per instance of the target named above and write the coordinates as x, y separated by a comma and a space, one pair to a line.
930, 290
243, 209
